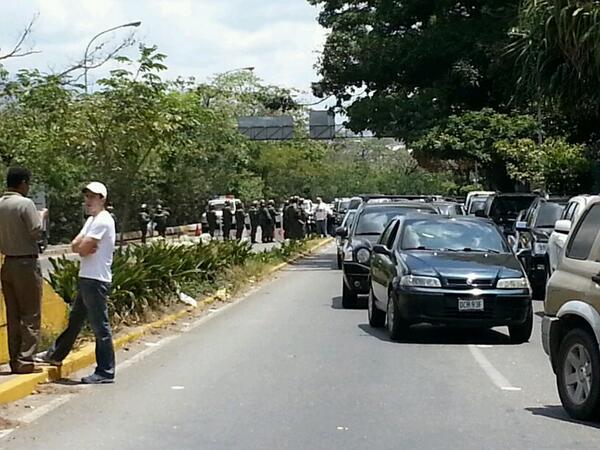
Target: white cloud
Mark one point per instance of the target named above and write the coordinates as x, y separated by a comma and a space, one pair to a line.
201, 37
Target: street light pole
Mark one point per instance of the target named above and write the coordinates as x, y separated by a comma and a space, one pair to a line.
87, 49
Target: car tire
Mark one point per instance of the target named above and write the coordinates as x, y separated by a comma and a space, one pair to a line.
395, 324
376, 316
349, 298
579, 347
521, 333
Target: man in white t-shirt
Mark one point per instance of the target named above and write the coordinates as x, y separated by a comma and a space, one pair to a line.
321, 212
95, 244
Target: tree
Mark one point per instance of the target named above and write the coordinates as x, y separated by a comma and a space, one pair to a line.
415, 62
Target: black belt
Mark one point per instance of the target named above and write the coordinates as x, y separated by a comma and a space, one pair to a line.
21, 256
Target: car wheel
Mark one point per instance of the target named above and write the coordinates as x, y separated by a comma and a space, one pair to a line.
396, 325
578, 375
522, 332
349, 298
376, 316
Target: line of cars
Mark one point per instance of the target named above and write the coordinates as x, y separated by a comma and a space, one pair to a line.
417, 260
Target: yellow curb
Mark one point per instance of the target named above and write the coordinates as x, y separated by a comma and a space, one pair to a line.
23, 385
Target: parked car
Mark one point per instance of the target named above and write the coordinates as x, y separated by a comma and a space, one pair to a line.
571, 321
340, 208
533, 232
370, 220
341, 241
219, 204
447, 270
447, 208
504, 208
569, 217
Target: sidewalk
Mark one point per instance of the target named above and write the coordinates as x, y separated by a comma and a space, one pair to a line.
14, 387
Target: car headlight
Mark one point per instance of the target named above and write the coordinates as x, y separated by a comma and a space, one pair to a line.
348, 254
416, 281
513, 283
363, 255
540, 248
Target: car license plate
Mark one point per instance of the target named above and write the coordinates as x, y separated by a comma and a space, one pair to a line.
472, 304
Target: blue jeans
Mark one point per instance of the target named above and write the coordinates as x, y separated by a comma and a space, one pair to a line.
91, 303
322, 228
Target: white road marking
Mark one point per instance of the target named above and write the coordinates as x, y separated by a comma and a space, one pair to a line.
493, 374
45, 409
178, 388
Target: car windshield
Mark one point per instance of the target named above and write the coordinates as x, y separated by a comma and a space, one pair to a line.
372, 222
548, 215
453, 235
509, 207
343, 205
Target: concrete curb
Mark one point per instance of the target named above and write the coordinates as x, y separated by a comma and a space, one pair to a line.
23, 385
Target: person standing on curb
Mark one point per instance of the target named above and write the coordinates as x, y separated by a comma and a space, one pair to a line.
273, 214
95, 244
22, 284
321, 212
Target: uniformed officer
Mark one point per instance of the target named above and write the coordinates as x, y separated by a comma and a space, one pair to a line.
240, 222
254, 222
227, 220
211, 219
143, 220
266, 223
160, 219
273, 213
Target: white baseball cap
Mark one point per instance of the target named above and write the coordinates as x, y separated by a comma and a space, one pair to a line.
96, 187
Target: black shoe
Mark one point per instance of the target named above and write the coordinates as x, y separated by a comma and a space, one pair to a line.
97, 379
22, 369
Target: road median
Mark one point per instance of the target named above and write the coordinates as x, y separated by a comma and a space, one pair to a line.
20, 386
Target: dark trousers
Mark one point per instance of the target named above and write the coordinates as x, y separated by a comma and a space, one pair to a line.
91, 303
22, 289
144, 230
211, 231
239, 233
253, 230
226, 233
322, 228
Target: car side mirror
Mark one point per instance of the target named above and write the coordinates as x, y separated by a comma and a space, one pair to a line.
341, 232
563, 226
381, 250
480, 213
521, 226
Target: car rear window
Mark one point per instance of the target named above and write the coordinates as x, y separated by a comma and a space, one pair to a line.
548, 215
373, 221
509, 207
583, 239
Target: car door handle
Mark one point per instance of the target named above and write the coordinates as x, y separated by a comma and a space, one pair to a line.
596, 279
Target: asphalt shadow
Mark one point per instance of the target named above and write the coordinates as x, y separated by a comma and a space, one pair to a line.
440, 335
336, 303
558, 413
320, 262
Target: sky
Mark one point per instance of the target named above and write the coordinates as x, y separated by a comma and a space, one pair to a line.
280, 38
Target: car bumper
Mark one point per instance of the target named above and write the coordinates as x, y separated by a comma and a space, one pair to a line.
441, 307
356, 277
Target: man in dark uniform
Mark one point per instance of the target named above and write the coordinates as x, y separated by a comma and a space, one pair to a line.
144, 220
273, 213
288, 214
211, 220
266, 223
227, 221
254, 222
160, 219
240, 222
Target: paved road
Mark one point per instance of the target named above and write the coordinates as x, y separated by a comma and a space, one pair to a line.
288, 369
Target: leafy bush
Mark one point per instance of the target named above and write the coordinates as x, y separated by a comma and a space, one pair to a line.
147, 276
